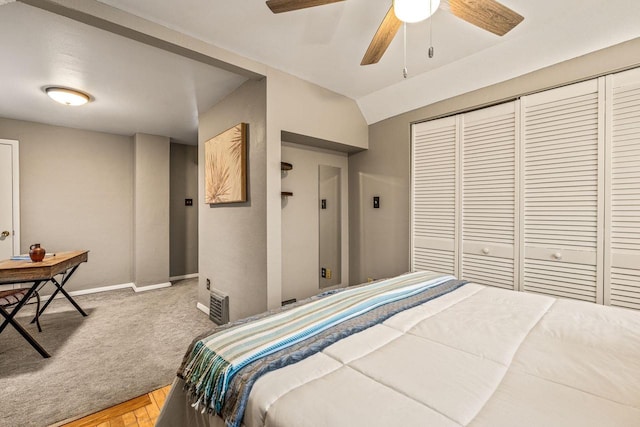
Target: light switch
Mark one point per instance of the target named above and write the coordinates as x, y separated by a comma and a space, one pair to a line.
376, 202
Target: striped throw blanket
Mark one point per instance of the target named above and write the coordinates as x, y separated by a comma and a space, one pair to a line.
213, 361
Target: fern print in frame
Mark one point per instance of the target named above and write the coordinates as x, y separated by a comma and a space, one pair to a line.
225, 166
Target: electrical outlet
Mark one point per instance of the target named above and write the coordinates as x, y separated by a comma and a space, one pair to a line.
208, 284
328, 273
323, 273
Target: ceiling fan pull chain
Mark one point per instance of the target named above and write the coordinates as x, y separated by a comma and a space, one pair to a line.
430, 52
405, 73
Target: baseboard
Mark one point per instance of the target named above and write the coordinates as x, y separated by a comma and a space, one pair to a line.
110, 288
92, 291
203, 308
183, 277
151, 287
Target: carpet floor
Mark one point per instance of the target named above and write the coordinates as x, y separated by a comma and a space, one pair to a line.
131, 343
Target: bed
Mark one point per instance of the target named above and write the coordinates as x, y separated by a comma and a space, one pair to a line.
474, 356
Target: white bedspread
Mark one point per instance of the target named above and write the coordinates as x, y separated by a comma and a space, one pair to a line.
476, 357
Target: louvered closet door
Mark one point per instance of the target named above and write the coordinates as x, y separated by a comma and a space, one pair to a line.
622, 275
434, 196
489, 196
563, 140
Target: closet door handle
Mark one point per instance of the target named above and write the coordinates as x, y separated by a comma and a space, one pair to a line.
486, 251
557, 255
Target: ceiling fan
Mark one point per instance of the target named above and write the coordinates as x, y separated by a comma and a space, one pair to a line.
489, 15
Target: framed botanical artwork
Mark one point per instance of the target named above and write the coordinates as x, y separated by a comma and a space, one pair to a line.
225, 166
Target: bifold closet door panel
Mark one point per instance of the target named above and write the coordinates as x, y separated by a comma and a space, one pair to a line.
563, 144
622, 274
489, 196
434, 195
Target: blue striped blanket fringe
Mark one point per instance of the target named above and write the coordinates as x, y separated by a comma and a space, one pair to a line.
220, 369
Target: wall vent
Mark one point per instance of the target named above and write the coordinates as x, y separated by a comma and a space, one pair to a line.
219, 307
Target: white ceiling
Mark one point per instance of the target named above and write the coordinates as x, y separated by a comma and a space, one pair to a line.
325, 44
137, 88
147, 90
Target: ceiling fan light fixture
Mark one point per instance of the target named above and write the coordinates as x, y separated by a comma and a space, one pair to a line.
67, 96
411, 11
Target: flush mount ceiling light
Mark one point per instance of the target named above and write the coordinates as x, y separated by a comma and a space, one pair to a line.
67, 96
411, 11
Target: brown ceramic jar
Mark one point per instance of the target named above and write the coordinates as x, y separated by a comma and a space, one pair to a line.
36, 253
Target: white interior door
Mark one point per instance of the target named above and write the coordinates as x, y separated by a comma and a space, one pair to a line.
622, 260
435, 196
9, 244
563, 137
489, 203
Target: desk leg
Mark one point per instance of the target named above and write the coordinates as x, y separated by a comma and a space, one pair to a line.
24, 333
71, 300
59, 288
21, 304
10, 320
46, 304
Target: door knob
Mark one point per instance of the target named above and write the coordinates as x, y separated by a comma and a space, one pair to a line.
486, 251
5, 234
557, 255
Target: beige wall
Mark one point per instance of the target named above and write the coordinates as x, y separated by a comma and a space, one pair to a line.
97, 191
240, 245
303, 108
307, 109
330, 230
300, 233
76, 193
150, 210
183, 224
232, 237
386, 167
379, 238
291, 105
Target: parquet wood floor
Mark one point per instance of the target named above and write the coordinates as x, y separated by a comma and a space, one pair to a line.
141, 411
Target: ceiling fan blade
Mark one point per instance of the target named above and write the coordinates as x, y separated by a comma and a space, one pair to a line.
279, 6
486, 14
383, 37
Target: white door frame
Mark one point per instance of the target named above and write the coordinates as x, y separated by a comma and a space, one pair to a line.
16, 193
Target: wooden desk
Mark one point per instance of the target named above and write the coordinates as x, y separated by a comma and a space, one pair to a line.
21, 271
26, 271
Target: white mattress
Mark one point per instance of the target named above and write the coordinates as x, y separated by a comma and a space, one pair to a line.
477, 356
